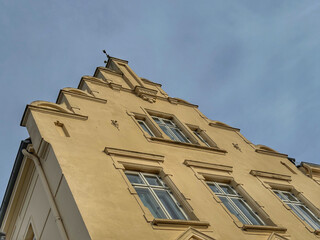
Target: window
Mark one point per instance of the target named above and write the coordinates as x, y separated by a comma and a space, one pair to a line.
235, 203
201, 138
145, 127
300, 209
171, 129
156, 196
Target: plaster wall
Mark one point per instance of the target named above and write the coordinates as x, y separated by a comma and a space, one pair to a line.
89, 184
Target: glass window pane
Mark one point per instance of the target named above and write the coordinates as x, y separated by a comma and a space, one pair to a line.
197, 134
228, 190
153, 180
169, 204
145, 128
247, 211
149, 201
167, 132
213, 188
201, 138
296, 211
156, 120
290, 196
229, 206
309, 217
279, 195
134, 178
179, 135
168, 123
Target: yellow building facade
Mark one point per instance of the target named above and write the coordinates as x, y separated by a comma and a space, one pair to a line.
117, 158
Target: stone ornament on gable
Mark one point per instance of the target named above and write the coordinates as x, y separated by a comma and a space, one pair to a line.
236, 146
115, 123
146, 94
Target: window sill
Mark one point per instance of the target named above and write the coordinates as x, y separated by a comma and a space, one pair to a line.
177, 222
262, 228
188, 145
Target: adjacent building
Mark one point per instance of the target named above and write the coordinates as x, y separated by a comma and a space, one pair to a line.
117, 158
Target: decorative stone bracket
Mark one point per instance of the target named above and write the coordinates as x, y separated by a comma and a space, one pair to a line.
146, 94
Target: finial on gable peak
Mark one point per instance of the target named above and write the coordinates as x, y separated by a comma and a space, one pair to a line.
104, 51
108, 56
112, 58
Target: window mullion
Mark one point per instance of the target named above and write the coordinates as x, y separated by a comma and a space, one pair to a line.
220, 189
306, 217
143, 179
238, 210
160, 203
178, 129
177, 204
301, 213
172, 134
256, 215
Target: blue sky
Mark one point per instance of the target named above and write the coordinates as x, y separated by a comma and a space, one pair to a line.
251, 64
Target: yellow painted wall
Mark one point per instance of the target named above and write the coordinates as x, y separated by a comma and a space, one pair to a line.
79, 129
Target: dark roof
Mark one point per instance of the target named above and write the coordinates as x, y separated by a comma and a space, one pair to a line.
12, 179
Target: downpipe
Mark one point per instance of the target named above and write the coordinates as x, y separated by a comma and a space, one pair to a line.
47, 190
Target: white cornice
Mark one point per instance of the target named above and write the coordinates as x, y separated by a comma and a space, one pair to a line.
30, 108
133, 154
271, 153
208, 165
270, 175
91, 98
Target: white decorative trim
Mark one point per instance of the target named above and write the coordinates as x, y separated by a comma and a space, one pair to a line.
49, 111
270, 175
222, 125
133, 154
207, 165
80, 95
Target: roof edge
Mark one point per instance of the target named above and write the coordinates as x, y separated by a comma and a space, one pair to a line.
12, 179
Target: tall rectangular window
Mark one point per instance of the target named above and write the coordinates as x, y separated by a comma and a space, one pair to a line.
299, 208
235, 203
171, 129
156, 195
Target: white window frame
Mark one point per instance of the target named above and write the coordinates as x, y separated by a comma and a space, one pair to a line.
201, 138
296, 210
236, 195
151, 188
172, 136
146, 125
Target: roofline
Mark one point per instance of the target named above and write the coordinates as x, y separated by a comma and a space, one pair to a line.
12, 179
310, 164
